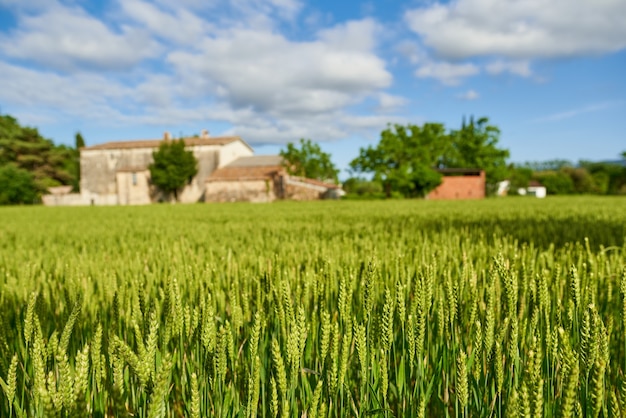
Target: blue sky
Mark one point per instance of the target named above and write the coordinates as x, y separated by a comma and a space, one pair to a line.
549, 74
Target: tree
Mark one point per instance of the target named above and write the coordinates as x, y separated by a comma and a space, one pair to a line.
49, 164
519, 177
555, 182
584, 182
609, 178
475, 146
405, 159
79, 142
363, 188
309, 161
550, 165
173, 167
17, 186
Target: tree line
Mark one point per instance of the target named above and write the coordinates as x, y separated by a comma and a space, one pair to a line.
564, 177
406, 162
30, 163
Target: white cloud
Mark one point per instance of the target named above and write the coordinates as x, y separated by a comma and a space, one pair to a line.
356, 35
29, 5
256, 14
270, 88
287, 8
282, 9
68, 38
521, 29
390, 102
369, 123
80, 95
411, 51
520, 68
179, 25
594, 107
447, 73
320, 127
190, 4
279, 132
269, 73
469, 95
157, 91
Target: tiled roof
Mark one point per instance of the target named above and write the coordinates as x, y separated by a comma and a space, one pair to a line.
238, 173
466, 171
256, 167
257, 161
315, 182
154, 143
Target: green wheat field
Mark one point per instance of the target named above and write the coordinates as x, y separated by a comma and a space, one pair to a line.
502, 307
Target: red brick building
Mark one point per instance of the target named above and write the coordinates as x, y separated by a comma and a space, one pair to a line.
460, 183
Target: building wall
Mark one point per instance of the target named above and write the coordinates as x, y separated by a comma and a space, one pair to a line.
230, 152
98, 168
460, 187
258, 191
208, 160
133, 187
537, 191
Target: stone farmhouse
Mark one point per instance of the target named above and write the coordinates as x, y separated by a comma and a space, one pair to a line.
116, 173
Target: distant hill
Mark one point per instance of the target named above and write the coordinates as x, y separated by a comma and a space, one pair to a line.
621, 163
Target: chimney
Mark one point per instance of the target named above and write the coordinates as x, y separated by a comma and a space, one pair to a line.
167, 136
204, 134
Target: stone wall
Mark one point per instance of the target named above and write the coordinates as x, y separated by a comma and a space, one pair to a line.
99, 199
69, 199
279, 186
258, 191
299, 190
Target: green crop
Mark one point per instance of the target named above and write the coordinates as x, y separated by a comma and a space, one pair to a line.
502, 307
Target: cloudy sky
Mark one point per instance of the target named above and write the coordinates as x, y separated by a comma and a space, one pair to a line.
550, 74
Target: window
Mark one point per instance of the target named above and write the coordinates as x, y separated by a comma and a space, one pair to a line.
134, 179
